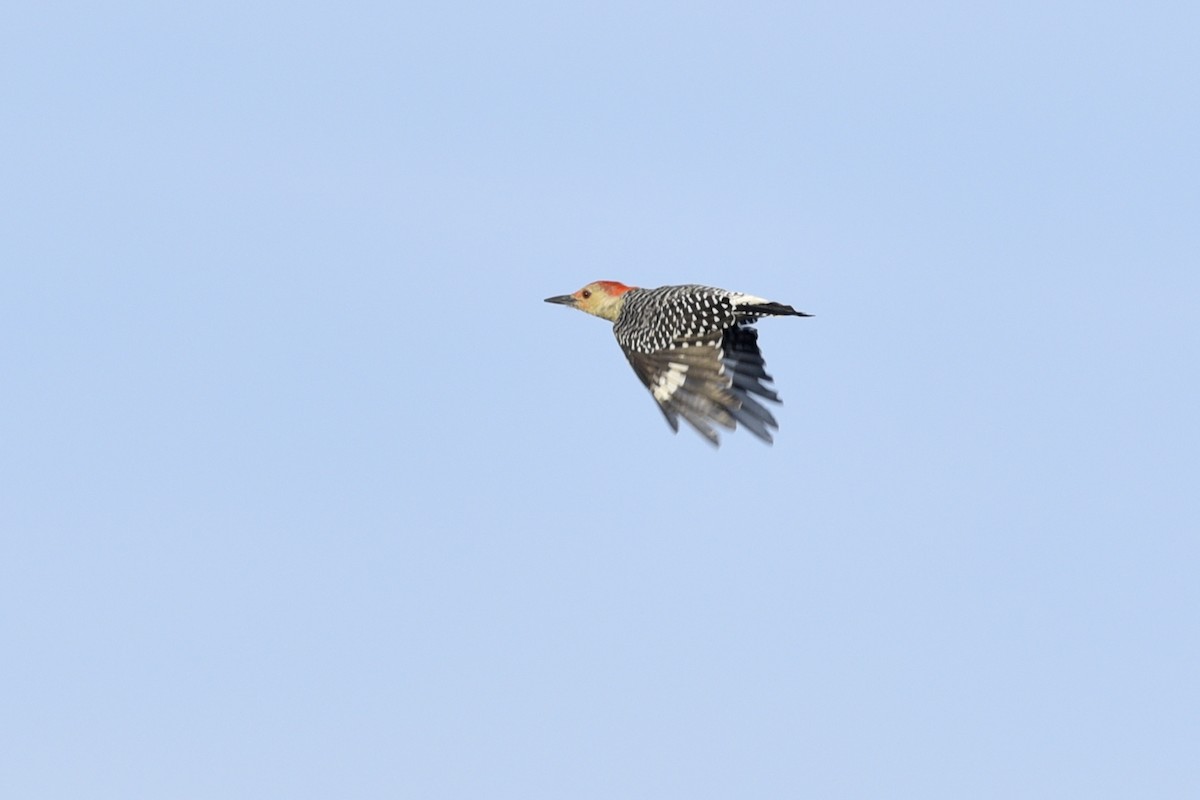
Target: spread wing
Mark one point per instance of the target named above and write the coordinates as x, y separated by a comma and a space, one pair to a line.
706, 381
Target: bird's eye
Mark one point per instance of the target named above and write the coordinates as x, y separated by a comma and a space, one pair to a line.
586, 293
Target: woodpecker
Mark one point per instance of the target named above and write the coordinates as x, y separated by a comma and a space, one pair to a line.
694, 348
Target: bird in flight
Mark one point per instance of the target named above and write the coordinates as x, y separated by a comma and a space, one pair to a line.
695, 349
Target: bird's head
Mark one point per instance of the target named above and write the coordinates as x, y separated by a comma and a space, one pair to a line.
602, 299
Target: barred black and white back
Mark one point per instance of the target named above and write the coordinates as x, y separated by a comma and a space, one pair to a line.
695, 350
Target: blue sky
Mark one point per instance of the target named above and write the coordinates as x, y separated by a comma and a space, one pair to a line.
306, 493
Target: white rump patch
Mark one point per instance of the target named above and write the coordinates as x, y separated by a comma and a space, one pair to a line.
737, 299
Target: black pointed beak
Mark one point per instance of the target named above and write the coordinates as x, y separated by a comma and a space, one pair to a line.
562, 300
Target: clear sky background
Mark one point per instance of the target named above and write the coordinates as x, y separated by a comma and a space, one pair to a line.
305, 493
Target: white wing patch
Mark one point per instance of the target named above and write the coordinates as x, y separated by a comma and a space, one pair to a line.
669, 381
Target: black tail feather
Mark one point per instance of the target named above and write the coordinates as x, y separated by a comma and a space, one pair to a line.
772, 310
